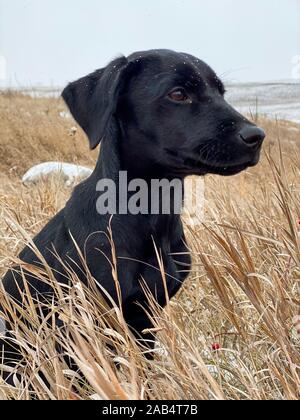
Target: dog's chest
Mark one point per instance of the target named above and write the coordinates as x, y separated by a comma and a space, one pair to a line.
158, 278
168, 265
164, 260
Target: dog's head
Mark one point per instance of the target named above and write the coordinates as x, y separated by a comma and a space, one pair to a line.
171, 113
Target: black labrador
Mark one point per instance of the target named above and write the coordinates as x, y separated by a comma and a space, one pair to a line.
158, 115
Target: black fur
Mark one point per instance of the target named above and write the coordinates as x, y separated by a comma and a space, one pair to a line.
127, 107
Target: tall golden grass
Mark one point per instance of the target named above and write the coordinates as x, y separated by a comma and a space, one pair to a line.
242, 295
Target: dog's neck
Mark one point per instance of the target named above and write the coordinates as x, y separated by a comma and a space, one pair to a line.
110, 164
115, 157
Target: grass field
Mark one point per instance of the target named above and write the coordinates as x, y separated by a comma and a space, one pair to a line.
243, 294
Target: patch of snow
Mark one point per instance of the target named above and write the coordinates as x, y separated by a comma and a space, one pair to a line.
279, 99
275, 100
35, 92
69, 172
65, 114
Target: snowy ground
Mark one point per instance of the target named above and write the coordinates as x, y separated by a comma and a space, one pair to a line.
68, 172
274, 99
277, 100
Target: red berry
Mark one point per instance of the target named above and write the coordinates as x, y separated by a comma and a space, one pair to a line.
216, 346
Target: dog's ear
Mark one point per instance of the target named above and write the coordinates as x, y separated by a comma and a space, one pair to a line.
93, 99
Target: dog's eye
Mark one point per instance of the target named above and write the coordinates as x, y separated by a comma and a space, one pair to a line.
179, 95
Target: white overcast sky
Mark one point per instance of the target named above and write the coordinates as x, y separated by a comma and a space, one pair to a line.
50, 42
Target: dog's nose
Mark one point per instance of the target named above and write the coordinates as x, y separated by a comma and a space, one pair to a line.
252, 136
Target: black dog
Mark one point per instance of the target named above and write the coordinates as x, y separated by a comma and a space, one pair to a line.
159, 115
